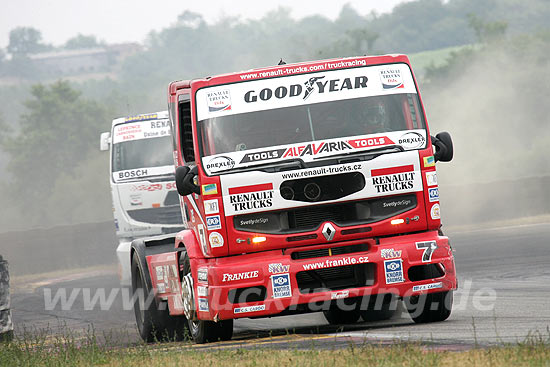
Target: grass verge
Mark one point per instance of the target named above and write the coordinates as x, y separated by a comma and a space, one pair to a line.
68, 351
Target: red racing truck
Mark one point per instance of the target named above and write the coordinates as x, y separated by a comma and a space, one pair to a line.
303, 187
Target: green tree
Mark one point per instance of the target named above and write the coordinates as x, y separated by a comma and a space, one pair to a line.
26, 40
487, 31
56, 133
82, 41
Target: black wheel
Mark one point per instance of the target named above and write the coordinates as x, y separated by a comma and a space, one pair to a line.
380, 311
209, 331
430, 307
154, 323
200, 330
343, 312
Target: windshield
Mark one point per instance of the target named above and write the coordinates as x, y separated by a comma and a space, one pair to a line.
311, 122
143, 153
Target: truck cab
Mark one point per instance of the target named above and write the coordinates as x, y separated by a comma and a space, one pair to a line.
304, 187
145, 200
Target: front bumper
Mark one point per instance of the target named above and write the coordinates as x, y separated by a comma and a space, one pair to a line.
279, 281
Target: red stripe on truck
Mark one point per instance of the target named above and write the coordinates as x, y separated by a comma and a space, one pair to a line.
251, 188
391, 170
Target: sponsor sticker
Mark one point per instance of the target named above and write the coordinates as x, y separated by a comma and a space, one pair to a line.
412, 140
215, 239
160, 273
249, 309
135, 200
391, 78
425, 287
218, 100
394, 271
202, 275
203, 304
435, 212
433, 194
339, 295
394, 179
429, 247
211, 206
390, 253
140, 130
210, 189
429, 161
278, 268
229, 277
202, 236
213, 222
220, 163
281, 285
202, 291
431, 178
251, 197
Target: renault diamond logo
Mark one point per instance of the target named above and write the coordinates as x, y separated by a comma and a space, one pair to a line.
328, 231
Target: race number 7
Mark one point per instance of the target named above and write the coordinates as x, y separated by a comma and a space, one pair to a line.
429, 248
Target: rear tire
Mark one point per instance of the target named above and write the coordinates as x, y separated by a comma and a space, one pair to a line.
203, 331
153, 324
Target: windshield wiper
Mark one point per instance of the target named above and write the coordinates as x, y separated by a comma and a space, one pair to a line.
371, 153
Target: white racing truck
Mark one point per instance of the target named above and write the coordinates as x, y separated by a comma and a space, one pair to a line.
145, 200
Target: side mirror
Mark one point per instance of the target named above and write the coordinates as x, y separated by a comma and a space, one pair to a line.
104, 141
443, 147
184, 180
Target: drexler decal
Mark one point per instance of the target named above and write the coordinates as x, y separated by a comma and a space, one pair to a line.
395, 179
251, 197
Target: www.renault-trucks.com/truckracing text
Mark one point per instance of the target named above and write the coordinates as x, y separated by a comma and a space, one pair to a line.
305, 187
145, 200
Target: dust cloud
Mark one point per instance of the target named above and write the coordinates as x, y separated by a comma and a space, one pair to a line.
496, 109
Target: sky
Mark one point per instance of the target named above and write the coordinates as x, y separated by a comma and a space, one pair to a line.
117, 21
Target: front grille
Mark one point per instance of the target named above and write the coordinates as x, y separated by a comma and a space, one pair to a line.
341, 250
312, 217
336, 278
163, 215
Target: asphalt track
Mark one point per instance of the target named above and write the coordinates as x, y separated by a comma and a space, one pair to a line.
504, 297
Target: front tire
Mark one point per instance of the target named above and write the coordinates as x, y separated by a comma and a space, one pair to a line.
203, 331
431, 307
